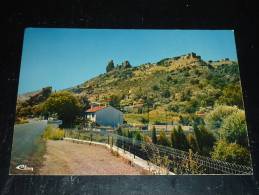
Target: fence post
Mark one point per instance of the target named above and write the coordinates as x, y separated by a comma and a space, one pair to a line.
108, 139
190, 159
112, 141
134, 149
123, 145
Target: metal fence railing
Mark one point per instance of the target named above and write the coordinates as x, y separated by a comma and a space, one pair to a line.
177, 161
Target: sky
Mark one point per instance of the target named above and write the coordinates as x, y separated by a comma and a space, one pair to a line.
64, 58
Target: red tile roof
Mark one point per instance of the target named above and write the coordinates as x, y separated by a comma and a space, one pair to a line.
95, 108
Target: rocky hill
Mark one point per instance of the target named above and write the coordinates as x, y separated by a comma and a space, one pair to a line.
170, 90
184, 84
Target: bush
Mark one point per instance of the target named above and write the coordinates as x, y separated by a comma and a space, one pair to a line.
155, 87
138, 135
234, 129
194, 81
53, 133
166, 93
215, 118
144, 120
232, 96
232, 153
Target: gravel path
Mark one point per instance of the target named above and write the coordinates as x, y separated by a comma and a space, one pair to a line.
66, 158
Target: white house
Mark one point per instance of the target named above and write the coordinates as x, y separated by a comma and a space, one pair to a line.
105, 115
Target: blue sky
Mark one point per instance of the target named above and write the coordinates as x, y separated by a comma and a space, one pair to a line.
63, 58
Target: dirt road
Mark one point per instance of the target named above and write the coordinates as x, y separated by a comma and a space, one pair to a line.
66, 158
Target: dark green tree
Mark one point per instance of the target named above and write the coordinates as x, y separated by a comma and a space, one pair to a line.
205, 139
115, 101
110, 66
193, 143
65, 105
119, 131
126, 64
154, 137
166, 93
178, 139
163, 140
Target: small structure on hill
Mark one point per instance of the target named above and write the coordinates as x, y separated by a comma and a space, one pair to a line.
105, 116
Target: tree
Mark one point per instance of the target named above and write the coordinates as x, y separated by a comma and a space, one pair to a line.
185, 120
231, 152
110, 66
178, 139
126, 64
64, 104
115, 101
205, 139
154, 137
166, 93
214, 119
119, 131
155, 87
193, 143
84, 102
163, 140
138, 136
232, 95
234, 129
143, 120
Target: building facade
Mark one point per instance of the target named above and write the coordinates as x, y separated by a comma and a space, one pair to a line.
105, 116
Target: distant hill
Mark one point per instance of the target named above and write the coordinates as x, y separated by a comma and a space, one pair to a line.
35, 97
173, 87
182, 84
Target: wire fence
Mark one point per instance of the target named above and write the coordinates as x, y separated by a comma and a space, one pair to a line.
177, 161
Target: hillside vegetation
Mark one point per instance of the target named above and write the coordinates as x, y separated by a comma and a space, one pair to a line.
168, 90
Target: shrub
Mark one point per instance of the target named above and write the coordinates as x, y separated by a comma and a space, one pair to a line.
144, 120
194, 81
215, 118
231, 152
155, 87
53, 133
166, 93
232, 96
234, 129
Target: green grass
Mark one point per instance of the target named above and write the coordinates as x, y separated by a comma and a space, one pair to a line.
53, 133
